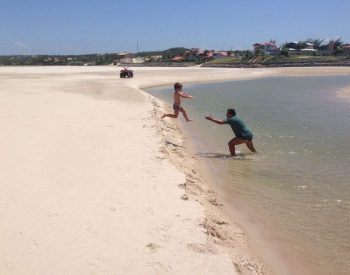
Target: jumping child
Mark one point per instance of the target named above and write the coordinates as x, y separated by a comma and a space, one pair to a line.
177, 103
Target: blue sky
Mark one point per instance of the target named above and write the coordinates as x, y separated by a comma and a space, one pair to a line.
108, 26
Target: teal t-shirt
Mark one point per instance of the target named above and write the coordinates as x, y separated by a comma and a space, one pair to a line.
239, 127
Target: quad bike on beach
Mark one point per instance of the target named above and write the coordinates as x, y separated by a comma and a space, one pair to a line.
126, 73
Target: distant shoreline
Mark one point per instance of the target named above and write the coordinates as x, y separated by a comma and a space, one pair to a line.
204, 65
245, 65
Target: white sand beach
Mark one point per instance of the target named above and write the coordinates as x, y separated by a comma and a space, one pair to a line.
94, 182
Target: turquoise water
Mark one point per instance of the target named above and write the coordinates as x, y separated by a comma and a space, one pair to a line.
299, 180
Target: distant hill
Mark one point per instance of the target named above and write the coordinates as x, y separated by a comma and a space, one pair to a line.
171, 51
90, 59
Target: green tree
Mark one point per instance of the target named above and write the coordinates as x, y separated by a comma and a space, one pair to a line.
284, 52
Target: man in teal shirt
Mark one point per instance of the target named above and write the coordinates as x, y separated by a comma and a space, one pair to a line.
240, 129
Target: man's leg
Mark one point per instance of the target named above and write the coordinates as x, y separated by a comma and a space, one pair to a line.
250, 146
233, 142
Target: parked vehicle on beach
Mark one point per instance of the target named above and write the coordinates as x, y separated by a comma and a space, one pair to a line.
126, 73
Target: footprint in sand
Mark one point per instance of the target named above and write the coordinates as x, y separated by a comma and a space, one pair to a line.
153, 247
197, 247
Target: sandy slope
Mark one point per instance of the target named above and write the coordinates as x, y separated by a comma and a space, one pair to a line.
92, 182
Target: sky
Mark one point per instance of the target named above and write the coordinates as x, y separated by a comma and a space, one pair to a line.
111, 26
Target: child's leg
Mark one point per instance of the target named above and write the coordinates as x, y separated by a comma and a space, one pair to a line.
182, 110
175, 115
250, 146
233, 142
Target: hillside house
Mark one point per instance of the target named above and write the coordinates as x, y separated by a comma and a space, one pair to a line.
124, 57
220, 54
177, 58
310, 46
197, 54
266, 47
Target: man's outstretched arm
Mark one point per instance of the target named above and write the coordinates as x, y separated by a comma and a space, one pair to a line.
217, 121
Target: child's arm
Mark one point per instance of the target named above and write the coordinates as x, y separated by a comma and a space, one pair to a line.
217, 121
185, 95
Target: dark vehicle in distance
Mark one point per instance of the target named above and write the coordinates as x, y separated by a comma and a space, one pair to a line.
126, 73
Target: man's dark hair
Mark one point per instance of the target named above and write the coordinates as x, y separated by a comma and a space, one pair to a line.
231, 111
177, 86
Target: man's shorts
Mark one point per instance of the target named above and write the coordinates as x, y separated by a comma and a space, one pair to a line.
246, 137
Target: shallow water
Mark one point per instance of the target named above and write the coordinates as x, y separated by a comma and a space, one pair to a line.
299, 180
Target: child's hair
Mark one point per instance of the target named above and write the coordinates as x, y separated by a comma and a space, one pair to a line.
177, 86
231, 111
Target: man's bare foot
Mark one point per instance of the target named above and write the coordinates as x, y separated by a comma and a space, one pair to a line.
188, 120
